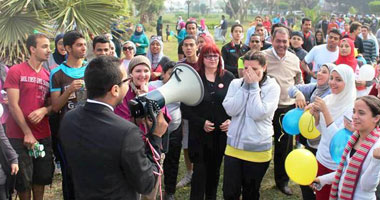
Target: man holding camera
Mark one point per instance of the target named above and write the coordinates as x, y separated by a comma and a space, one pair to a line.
108, 158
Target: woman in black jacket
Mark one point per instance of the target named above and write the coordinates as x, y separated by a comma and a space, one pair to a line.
208, 125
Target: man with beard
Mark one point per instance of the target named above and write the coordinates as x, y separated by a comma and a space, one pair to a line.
67, 91
107, 157
27, 86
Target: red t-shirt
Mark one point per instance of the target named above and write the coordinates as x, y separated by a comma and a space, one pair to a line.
34, 90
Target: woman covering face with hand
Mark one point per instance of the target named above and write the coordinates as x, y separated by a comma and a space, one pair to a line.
251, 102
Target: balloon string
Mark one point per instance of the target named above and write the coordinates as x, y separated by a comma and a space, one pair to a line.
282, 132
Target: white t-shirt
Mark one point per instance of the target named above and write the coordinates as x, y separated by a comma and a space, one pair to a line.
320, 55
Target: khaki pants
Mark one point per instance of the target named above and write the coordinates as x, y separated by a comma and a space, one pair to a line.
152, 195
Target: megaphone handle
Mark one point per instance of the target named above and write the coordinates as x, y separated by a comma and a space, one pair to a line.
152, 116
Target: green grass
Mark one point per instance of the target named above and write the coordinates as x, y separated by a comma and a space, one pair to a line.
268, 190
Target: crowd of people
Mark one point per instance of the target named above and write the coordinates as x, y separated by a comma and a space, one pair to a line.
75, 102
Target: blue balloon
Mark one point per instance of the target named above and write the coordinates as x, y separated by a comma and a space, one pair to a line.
338, 143
290, 121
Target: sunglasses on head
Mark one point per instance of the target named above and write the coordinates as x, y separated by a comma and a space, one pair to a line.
128, 48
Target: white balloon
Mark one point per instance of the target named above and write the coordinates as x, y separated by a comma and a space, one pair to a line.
366, 73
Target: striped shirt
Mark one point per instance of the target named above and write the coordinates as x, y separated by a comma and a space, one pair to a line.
369, 51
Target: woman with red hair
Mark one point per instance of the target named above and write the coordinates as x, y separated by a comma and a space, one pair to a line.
208, 124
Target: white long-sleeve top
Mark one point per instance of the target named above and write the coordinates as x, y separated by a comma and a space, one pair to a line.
368, 179
327, 133
252, 109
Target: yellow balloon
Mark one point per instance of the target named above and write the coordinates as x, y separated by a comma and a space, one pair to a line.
356, 52
301, 166
307, 126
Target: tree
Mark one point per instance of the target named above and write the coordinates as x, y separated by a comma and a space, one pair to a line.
237, 9
203, 8
283, 5
374, 6
148, 9
20, 18
344, 5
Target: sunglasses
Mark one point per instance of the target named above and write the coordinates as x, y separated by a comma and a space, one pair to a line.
128, 48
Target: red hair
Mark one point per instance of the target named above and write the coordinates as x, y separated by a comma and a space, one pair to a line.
207, 49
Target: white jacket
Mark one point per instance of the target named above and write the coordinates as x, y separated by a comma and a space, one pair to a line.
252, 109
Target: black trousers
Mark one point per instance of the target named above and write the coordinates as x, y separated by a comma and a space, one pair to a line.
67, 180
3, 194
282, 147
171, 162
242, 176
205, 179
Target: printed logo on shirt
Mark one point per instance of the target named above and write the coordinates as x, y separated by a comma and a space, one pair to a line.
32, 79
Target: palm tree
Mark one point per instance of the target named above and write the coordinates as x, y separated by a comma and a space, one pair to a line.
19, 18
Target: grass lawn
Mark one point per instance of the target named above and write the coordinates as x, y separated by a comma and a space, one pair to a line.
268, 190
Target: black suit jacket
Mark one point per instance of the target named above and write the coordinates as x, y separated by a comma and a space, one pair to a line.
106, 154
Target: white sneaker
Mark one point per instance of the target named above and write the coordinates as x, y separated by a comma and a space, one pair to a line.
185, 180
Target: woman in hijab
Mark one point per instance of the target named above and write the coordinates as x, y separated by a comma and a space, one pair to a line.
140, 40
204, 39
329, 114
58, 56
347, 54
203, 28
129, 51
156, 56
303, 94
182, 33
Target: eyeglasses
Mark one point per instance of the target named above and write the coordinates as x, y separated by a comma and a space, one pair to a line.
124, 81
255, 41
128, 48
155, 37
212, 57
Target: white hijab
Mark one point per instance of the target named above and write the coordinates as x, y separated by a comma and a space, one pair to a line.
338, 104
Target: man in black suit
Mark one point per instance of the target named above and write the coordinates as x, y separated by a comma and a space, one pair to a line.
107, 155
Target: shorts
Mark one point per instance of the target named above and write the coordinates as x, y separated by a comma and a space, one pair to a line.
33, 171
185, 132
